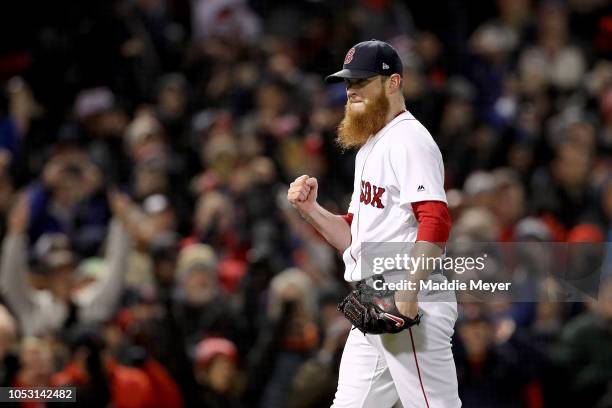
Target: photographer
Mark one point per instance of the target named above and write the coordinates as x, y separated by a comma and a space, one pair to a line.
70, 199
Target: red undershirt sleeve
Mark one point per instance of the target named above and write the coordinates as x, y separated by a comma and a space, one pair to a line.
348, 218
434, 221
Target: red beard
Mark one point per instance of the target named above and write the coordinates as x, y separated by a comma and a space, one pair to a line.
357, 127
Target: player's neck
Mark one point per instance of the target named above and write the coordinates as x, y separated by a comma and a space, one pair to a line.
395, 111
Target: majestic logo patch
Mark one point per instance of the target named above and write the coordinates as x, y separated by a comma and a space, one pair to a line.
349, 56
420, 188
371, 194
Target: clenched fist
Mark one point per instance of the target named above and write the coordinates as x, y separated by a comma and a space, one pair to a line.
302, 193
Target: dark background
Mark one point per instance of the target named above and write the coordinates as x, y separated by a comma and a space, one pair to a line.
186, 121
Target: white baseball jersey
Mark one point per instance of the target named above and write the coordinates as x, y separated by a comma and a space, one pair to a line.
400, 165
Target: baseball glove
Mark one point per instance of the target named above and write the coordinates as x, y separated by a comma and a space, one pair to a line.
374, 311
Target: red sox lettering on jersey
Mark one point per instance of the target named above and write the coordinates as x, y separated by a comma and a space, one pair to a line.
371, 194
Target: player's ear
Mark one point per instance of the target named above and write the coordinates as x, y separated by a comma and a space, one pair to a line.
395, 82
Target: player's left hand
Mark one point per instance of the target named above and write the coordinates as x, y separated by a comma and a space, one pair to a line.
376, 311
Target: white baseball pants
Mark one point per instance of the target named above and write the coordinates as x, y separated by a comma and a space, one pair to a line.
415, 366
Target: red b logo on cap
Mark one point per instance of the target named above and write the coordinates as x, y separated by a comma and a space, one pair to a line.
349, 56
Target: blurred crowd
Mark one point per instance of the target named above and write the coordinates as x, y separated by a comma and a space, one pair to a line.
149, 256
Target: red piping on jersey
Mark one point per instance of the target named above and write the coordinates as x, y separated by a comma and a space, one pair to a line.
434, 221
399, 113
416, 361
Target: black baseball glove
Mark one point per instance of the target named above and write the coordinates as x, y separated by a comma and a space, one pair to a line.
374, 311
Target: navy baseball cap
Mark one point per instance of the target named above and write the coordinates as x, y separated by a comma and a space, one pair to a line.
367, 59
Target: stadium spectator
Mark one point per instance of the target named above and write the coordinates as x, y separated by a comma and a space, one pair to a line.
62, 303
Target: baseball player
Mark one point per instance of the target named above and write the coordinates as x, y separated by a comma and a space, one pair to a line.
402, 350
